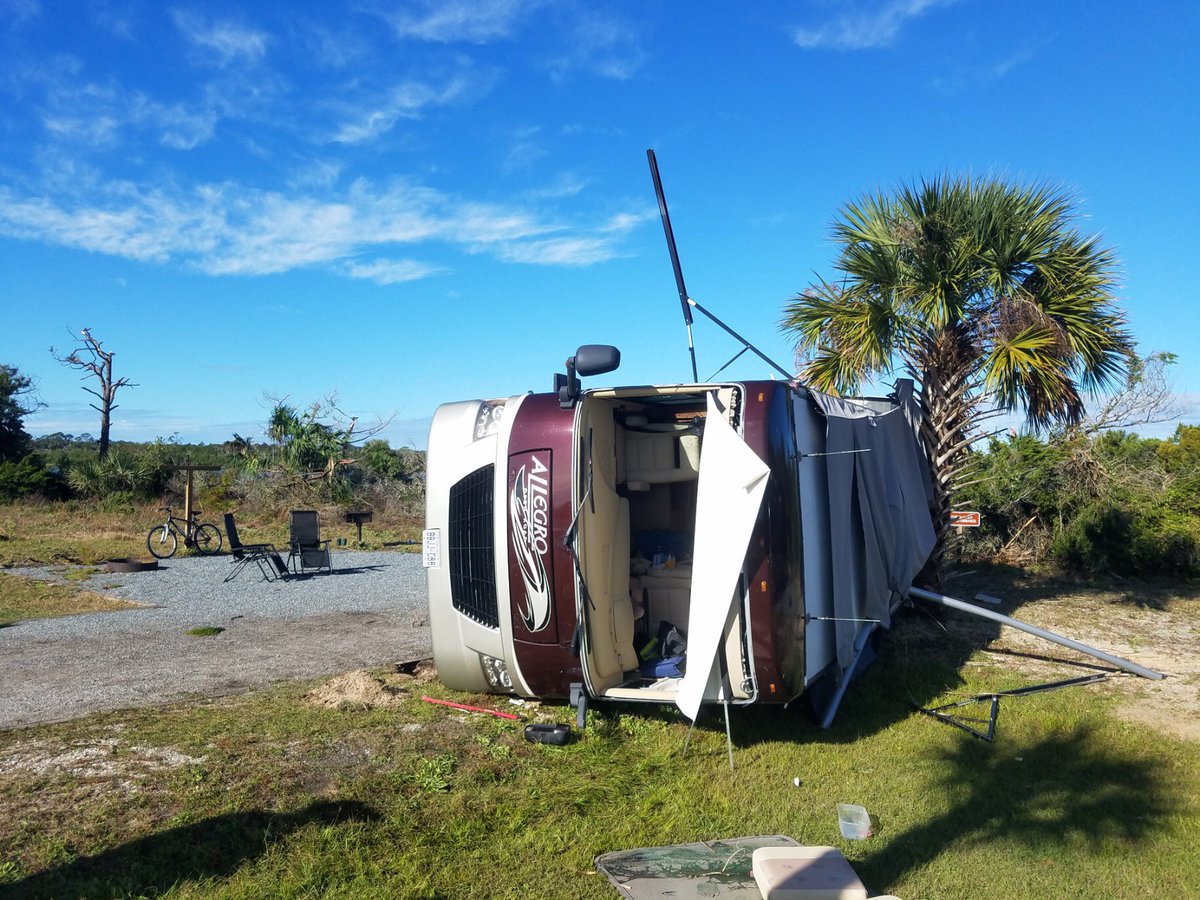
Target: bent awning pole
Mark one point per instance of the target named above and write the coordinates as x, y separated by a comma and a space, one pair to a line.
952, 603
860, 643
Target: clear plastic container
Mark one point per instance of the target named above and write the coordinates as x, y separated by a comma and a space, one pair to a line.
854, 821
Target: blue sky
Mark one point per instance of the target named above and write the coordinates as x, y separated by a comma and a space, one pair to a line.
408, 203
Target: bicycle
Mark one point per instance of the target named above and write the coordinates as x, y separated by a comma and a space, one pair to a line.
203, 537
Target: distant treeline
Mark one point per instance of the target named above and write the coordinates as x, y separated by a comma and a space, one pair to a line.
253, 476
1112, 503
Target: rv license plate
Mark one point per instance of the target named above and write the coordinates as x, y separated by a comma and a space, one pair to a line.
431, 546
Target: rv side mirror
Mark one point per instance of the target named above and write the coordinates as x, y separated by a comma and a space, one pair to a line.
590, 359
596, 359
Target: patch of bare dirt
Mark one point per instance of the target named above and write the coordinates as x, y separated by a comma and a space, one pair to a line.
1163, 640
361, 689
107, 758
1154, 627
355, 690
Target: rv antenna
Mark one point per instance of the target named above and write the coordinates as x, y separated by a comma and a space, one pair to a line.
683, 295
687, 302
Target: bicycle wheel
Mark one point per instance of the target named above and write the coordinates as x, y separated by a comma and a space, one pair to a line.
207, 539
161, 542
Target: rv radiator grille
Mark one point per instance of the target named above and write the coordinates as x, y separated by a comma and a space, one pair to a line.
470, 548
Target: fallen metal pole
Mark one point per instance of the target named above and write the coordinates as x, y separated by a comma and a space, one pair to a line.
952, 603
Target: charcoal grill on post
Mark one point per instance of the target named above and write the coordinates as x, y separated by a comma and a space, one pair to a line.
358, 517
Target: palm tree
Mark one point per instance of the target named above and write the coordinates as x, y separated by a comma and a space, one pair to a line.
984, 293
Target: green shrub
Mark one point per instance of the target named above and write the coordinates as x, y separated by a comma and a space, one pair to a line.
1106, 537
1098, 539
30, 477
122, 471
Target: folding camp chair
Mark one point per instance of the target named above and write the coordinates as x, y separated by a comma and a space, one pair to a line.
265, 556
308, 551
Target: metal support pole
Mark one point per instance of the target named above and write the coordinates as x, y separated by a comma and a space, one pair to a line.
860, 643
962, 606
741, 340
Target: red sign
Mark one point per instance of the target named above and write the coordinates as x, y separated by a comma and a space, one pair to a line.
961, 518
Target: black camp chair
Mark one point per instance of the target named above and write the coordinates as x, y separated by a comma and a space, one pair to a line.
265, 556
308, 551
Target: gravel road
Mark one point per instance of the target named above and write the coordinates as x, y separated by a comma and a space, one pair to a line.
370, 611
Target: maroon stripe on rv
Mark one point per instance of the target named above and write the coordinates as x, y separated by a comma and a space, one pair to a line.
539, 497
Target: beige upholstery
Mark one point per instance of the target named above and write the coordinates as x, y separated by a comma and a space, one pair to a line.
667, 595
645, 458
622, 606
604, 535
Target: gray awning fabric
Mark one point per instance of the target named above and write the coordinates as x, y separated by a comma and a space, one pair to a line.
880, 528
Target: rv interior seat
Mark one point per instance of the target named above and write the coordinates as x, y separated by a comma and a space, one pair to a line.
666, 595
622, 605
604, 534
656, 457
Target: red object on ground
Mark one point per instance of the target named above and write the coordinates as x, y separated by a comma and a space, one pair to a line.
491, 712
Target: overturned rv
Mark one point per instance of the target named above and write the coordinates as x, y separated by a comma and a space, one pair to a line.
769, 528
774, 526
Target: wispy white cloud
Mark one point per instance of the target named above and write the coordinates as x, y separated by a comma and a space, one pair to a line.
391, 271
404, 101
1013, 61
117, 17
458, 21
565, 184
525, 150
865, 28
576, 250
967, 77
98, 114
228, 229
334, 49
600, 44
559, 251
226, 39
624, 222
18, 11
315, 173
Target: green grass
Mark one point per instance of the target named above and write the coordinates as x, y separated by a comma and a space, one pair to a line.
78, 532
204, 631
267, 795
275, 797
25, 598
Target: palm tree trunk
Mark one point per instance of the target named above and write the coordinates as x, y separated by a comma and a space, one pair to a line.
945, 379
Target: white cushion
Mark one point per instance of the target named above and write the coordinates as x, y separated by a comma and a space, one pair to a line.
805, 873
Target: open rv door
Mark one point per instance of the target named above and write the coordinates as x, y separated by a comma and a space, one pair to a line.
732, 483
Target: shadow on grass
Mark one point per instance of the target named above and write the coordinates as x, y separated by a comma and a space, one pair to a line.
214, 847
1017, 586
921, 659
1066, 790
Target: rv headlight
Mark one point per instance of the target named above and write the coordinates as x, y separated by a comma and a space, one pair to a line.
496, 673
489, 417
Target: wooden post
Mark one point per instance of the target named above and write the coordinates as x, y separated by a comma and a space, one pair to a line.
187, 491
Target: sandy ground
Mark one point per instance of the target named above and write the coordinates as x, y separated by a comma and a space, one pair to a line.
1154, 627
1157, 639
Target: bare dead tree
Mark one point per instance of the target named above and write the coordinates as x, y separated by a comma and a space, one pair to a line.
1146, 398
96, 362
